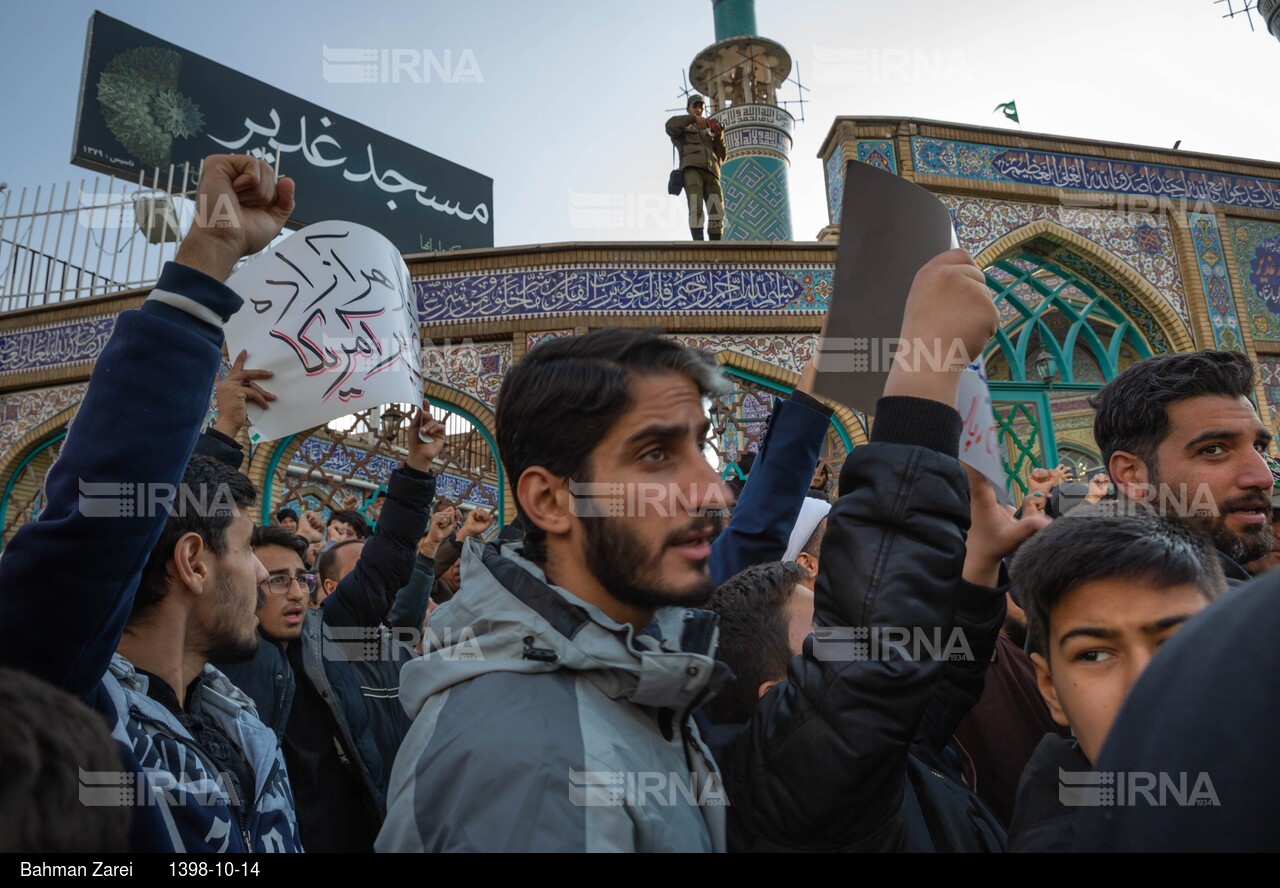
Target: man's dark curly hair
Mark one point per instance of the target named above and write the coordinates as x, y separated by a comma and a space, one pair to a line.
1132, 409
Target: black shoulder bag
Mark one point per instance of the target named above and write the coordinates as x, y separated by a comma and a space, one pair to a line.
675, 182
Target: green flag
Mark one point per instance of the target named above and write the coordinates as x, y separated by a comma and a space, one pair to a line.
1010, 110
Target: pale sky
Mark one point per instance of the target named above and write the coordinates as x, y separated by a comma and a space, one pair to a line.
575, 92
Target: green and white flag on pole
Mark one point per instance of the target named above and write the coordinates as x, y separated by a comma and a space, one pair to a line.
1010, 110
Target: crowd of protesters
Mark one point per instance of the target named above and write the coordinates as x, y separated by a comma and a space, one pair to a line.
884, 658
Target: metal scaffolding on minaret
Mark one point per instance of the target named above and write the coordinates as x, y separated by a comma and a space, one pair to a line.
740, 75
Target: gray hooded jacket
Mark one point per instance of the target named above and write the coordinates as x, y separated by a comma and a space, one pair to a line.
540, 724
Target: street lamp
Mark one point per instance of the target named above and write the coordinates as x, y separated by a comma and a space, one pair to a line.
392, 419
1046, 367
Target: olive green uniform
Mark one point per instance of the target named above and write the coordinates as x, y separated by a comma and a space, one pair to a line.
701, 153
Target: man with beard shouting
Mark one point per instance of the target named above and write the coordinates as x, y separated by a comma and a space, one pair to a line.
564, 672
1179, 432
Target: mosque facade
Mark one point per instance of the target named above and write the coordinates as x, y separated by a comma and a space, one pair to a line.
1097, 255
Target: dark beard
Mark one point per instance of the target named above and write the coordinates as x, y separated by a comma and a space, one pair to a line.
1241, 547
618, 561
234, 651
227, 645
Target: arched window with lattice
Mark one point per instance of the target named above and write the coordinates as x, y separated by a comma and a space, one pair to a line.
1062, 336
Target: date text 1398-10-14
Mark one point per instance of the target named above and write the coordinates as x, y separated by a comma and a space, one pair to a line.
216, 868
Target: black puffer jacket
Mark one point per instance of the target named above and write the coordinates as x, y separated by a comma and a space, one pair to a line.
1041, 819
846, 753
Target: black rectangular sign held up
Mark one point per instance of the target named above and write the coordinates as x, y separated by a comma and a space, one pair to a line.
890, 229
145, 103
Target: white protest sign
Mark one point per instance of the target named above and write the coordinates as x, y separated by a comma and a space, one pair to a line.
331, 312
980, 437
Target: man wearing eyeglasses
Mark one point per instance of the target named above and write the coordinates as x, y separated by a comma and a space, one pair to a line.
282, 602
283, 598
326, 677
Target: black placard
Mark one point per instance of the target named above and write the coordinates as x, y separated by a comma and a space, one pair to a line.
890, 228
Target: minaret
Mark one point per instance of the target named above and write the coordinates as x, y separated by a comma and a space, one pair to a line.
740, 74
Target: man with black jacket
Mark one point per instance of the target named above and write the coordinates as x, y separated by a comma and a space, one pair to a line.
766, 612
1179, 431
847, 753
340, 725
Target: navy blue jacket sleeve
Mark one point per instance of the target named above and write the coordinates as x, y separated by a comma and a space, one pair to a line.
364, 596
67, 580
775, 490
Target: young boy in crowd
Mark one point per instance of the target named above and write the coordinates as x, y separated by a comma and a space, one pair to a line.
1102, 592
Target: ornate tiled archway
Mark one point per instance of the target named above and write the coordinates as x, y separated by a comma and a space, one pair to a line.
1119, 279
23, 468
1068, 325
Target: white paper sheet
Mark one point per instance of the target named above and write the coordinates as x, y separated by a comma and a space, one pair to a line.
980, 438
331, 312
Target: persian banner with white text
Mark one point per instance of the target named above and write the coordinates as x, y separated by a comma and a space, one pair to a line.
146, 104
